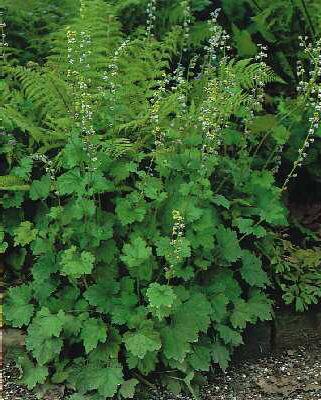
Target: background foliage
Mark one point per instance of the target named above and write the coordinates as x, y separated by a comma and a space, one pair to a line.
145, 216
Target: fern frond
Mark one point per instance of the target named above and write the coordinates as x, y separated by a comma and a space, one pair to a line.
45, 89
24, 123
99, 22
118, 147
248, 73
12, 183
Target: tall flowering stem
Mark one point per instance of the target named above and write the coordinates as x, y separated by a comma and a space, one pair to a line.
151, 17
110, 77
210, 119
187, 23
258, 90
78, 57
311, 95
176, 241
3, 42
218, 39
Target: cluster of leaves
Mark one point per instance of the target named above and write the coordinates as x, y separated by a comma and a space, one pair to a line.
278, 25
297, 272
95, 174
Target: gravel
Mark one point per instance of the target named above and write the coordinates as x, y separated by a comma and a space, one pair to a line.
292, 375
12, 390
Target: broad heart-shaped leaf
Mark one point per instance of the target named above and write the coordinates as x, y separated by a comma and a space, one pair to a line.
175, 345
200, 358
43, 290
83, 208
252, 271
17, 309
187, 324
49, 324
152, 187
219, 304
71, 182
33, 375
198, 320
74, 153
124, 304
109, 379
101, 294
267, 197
127, 389
228, 244
43, 350
241, 314
105, 380
42, 339
24, 233
229, 335
142, 341
93, 332
145, 365
44, 266
40, 189
221, 355
260, 306
75, 264
131, 208
224, 282
137, 257
175, 255
161, 299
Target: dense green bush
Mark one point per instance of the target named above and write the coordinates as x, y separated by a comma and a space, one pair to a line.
138, 193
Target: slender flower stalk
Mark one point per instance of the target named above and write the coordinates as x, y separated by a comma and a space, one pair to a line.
186, 23
310, 91
151, 17
3, 42
177, 237
110, 77
79, 50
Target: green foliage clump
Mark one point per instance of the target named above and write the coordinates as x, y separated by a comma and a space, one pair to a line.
297, 273
144, 192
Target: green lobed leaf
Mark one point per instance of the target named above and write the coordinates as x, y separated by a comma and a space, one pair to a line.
40, 189
75, 264
17, 308
33, 375
43, 335
137, 257
221, 355
144, 340
161, 299
93, 332
228, 244
127, 389
24, 233
252, 270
